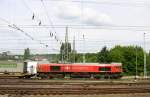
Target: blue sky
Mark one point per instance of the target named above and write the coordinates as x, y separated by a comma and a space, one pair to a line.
103, 23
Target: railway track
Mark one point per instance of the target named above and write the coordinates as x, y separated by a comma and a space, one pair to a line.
60, 91
68, 82
36, 87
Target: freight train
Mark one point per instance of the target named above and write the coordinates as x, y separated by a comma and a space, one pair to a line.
41, 70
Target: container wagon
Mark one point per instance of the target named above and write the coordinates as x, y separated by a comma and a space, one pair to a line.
17, 69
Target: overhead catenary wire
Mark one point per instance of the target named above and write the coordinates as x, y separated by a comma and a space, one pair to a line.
21, 30
51, 22
126, 27
40, 22
96, 27
114, 3
34, 17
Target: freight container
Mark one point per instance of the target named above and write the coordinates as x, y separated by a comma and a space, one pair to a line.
31, 67
11, 67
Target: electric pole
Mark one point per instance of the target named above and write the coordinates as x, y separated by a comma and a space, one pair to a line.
66, 44
136, 63
74, 56
83, 49
145, 70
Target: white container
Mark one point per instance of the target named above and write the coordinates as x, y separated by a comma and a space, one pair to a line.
32, 67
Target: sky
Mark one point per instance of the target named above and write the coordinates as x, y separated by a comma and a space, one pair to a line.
101, 22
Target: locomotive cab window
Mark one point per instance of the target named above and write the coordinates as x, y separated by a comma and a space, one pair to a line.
55, 68
104, 69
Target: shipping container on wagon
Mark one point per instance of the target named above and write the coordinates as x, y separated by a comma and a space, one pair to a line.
11, 67
31, 67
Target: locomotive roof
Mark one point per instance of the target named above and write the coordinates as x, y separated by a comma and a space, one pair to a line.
99, 64
88, 64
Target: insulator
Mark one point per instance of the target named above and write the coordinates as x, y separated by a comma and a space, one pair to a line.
39, 23
33, 16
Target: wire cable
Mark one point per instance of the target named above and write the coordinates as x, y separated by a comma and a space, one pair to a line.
50, 21
120, 4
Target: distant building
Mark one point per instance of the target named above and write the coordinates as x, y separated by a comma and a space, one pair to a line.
39, 58
7, 53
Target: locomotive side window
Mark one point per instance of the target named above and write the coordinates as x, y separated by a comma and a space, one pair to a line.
104, 69
55, 68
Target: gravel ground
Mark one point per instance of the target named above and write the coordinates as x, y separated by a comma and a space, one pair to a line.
104, 95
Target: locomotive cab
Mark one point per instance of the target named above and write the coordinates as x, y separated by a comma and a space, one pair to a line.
30, 67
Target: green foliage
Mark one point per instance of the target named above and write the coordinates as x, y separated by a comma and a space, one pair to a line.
116, 54
104, 56
65, 51
73, 56
127, 56
148, 63
91, 57
79, 58
26, 54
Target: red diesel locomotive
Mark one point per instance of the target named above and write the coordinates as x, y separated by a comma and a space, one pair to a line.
79, 70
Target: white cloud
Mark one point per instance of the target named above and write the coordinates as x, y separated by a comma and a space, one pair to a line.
87, 16
93, 17
69, 12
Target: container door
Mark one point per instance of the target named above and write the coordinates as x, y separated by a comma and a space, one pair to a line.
25, 67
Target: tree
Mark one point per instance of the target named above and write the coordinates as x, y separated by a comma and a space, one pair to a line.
148, 63
27, 54
127, 56
65, 52
104, 56
91, 57
73, 56
129, 63
116, 54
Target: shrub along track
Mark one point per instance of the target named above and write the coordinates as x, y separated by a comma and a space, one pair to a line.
34, 87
